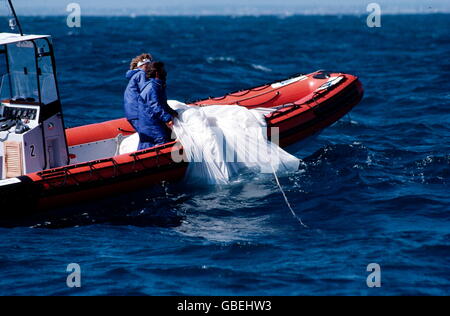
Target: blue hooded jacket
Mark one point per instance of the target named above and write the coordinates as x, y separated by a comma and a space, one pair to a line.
154, 112
137, 81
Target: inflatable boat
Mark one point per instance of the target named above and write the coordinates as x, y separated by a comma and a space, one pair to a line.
44, 166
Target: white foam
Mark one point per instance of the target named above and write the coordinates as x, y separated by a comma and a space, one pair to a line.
261, 67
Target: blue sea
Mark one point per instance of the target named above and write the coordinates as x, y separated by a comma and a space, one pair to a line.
373, 188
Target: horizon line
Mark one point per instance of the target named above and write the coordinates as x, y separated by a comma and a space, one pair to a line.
242, 14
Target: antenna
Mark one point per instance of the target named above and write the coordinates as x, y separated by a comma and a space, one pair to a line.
16, 19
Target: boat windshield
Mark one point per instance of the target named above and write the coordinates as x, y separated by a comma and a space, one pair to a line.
27, 72
20, 81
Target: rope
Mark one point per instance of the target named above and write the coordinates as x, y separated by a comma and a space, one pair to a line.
286, 199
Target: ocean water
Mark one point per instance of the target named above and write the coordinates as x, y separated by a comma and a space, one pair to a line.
373, 188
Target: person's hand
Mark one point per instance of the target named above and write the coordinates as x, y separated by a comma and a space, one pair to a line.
170, 124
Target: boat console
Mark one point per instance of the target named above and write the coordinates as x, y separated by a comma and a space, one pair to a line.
32, 133
13, 114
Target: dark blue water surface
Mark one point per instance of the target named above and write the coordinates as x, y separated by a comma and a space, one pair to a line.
373, 188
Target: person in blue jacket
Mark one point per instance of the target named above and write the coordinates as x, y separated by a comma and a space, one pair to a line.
155, 118
138, 78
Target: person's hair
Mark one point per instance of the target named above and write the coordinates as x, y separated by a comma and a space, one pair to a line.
156, 67
134, 63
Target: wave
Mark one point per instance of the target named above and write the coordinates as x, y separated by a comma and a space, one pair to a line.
220, 59
261, 68
431, 170
234, 61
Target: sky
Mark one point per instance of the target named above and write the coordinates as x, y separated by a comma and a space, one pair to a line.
231, 7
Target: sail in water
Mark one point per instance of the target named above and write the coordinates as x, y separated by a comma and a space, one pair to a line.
220, 141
